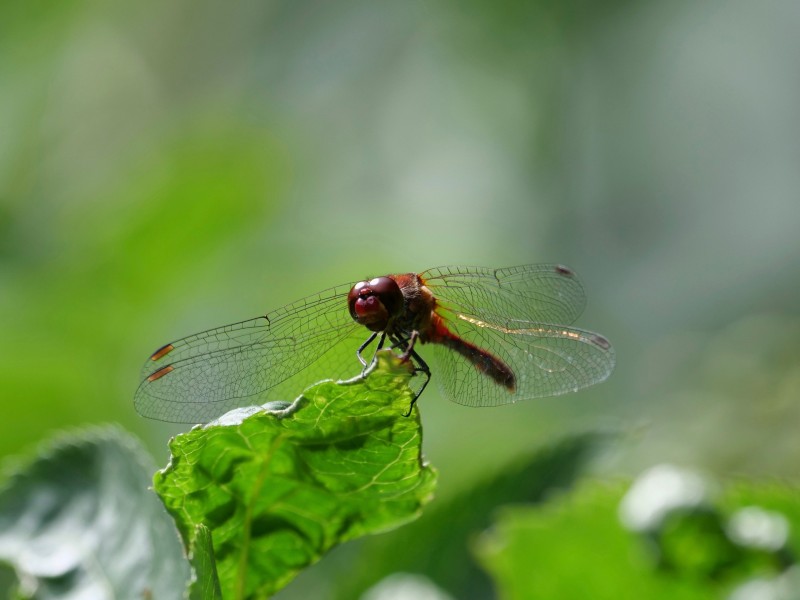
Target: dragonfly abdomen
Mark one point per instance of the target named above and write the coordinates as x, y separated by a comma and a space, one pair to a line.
483, 361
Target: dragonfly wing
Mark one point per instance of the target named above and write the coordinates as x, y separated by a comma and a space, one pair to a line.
547, 360
338, 363
541, 293
200, 377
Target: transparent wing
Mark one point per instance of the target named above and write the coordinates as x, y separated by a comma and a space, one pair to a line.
541, 293
200, 377
547, 360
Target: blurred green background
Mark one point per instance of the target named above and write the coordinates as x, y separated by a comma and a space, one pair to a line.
170, 167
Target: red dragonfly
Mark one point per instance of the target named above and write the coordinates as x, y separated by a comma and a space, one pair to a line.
497, 335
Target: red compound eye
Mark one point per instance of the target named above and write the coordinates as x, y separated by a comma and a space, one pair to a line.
373, 303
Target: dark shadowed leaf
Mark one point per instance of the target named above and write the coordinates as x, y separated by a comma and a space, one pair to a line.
438, 544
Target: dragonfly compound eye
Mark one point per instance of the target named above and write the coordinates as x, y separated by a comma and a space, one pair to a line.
373, 303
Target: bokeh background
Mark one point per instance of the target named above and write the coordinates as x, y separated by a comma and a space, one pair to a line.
169, 167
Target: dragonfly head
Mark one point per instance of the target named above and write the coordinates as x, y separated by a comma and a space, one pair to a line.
374, 303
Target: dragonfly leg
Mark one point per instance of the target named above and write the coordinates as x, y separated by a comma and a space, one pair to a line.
420, 366
368, 366
362, 347
379, 346
410, 348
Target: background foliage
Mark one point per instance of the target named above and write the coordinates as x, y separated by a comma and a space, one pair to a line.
165, 168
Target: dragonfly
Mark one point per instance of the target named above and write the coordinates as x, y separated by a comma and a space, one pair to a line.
496, 336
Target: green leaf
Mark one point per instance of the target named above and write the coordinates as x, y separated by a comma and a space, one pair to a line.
574, 547
205, 585
78, 521
280, 487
